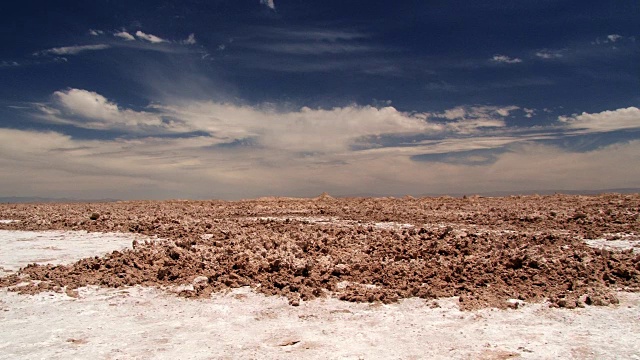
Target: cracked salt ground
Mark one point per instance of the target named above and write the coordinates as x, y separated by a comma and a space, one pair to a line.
138, 322
142, 322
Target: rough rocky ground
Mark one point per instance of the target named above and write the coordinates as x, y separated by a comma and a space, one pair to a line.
483, 250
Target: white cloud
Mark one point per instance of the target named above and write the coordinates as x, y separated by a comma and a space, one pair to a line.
93, 32
73, 50
268, 3
124, 35
254, 150
614, 37
301, 130
311, 130
467, 120
549, 54
191, 39
502, 111
455, 113
90, 110
505, 59
619, 119
150, 38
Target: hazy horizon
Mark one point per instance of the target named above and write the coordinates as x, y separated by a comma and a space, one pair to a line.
586, 192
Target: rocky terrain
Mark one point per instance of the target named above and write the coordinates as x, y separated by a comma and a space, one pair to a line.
488, 251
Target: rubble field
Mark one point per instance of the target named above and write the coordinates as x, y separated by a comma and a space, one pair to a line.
488, 252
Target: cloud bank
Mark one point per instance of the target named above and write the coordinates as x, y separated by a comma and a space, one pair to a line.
205, 149
621, 119
58, 165
305, 129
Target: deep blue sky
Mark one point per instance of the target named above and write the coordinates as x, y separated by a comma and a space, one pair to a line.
122, 98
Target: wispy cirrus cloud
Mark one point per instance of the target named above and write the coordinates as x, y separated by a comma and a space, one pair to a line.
290, 50
72, 50
309, 34
313, 48
503, 59
9, 64
307, 41
128, 36
547, 54
148, 42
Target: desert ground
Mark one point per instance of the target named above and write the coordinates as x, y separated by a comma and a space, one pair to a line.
473, 277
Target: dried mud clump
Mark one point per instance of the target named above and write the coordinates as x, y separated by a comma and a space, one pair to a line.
484, 250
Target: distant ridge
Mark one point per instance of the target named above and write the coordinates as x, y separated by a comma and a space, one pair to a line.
504, 193
326, 197
551, 192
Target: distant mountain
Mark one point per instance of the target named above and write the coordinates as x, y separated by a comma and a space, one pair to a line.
505, 193
551, 192
34, 199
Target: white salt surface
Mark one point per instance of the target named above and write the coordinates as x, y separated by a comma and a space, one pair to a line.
144, 323
616, 242
20, 248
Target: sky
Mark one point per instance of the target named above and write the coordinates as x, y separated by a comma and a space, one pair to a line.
232, 99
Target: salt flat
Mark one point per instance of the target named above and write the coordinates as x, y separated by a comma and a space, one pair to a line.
142, 323
20, 248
